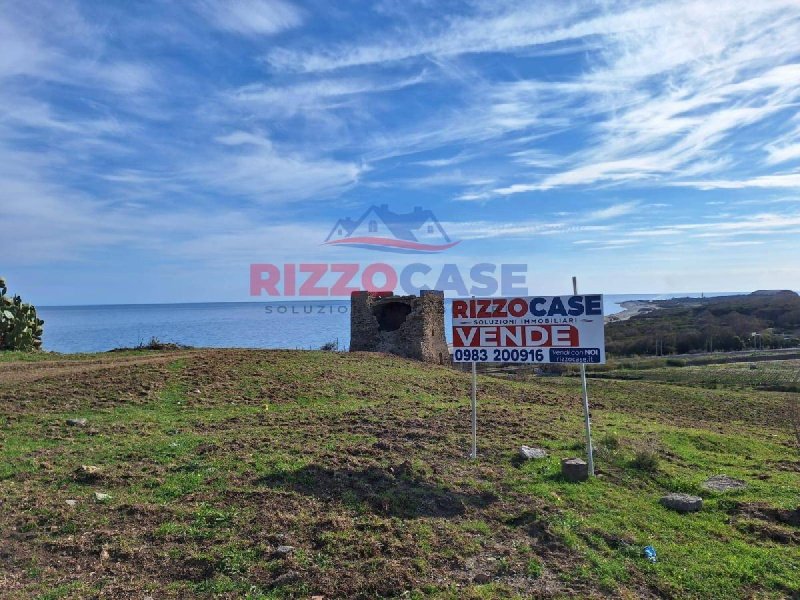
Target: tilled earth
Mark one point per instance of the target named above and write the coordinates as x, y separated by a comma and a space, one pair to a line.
264, 474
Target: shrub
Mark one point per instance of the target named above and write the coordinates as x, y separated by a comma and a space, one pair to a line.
155, 344
331, 346
20, 328
645, 459
609, 441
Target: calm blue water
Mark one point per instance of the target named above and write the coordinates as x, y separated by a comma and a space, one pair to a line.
217, 325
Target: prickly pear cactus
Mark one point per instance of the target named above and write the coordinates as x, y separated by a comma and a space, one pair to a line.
20, 328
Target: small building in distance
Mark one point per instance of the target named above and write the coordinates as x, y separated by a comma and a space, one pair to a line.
409, 326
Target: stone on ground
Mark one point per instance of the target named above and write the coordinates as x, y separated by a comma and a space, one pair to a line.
575, 469
682, 502
101, 496
723, 483
528, 453
285, 549
87, 473
77, 422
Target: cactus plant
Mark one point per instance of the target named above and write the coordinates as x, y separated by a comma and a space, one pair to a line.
20, 328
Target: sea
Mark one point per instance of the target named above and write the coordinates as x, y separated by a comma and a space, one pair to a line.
295, 324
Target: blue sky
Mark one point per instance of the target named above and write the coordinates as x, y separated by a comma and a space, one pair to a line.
150, 151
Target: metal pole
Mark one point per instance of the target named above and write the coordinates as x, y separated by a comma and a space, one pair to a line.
587, 420
474, 454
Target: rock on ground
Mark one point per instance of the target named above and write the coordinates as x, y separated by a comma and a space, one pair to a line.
529, 453
682, 502
87, 473
100, 496
575, 469
723, 483
77, 422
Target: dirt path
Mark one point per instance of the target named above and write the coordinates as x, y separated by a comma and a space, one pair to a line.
24, 371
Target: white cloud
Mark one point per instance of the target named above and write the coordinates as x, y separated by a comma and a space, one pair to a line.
456, 177
314, 96
252, 17
670, 94
137, 150
477, 230
789, 180
737, 244
62, 46
444, 162
251, 166
615, 210
481, 33
780, 154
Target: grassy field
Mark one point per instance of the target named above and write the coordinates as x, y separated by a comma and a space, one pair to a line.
213, 460
776, 375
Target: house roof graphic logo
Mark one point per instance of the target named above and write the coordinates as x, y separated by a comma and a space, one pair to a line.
416, 232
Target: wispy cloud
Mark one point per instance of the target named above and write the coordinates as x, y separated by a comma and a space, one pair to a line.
633, 128
481, 230
520, 28
712, 231
780, 154
249, 164
789, 180
668, 102
311, 98
611, 212
251, 17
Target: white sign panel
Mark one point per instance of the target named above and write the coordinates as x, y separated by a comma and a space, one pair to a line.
535, 329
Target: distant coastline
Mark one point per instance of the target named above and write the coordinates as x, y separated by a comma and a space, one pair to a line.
632, 308
96, 328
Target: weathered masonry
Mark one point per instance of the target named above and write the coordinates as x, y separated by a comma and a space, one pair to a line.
408, 326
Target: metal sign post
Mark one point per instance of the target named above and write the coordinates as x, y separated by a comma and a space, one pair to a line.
586, 418
474, 454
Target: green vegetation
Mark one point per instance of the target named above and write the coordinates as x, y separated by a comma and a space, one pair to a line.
45, 356
216, 459
700, 325
774, 375
20, 328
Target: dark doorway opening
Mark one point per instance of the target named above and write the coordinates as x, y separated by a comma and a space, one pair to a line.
391, 315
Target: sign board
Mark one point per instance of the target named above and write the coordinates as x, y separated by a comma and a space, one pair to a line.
535, 329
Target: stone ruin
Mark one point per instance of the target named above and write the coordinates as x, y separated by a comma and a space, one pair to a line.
408, 326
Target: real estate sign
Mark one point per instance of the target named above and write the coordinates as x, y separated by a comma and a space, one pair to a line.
534, 329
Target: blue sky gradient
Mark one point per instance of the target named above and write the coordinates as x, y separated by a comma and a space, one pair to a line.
150, 151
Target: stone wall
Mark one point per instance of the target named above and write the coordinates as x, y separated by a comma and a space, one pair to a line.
408, 326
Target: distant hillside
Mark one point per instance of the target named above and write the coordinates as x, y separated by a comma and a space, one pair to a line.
723, 323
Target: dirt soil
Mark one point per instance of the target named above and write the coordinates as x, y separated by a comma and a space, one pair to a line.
17, 372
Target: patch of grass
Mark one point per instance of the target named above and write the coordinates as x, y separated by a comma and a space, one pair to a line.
60, 591
609, 441
475, 526
645, 459
533, 568
177, 485
360, 464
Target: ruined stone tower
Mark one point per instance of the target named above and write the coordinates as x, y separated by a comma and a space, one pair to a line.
408, 326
